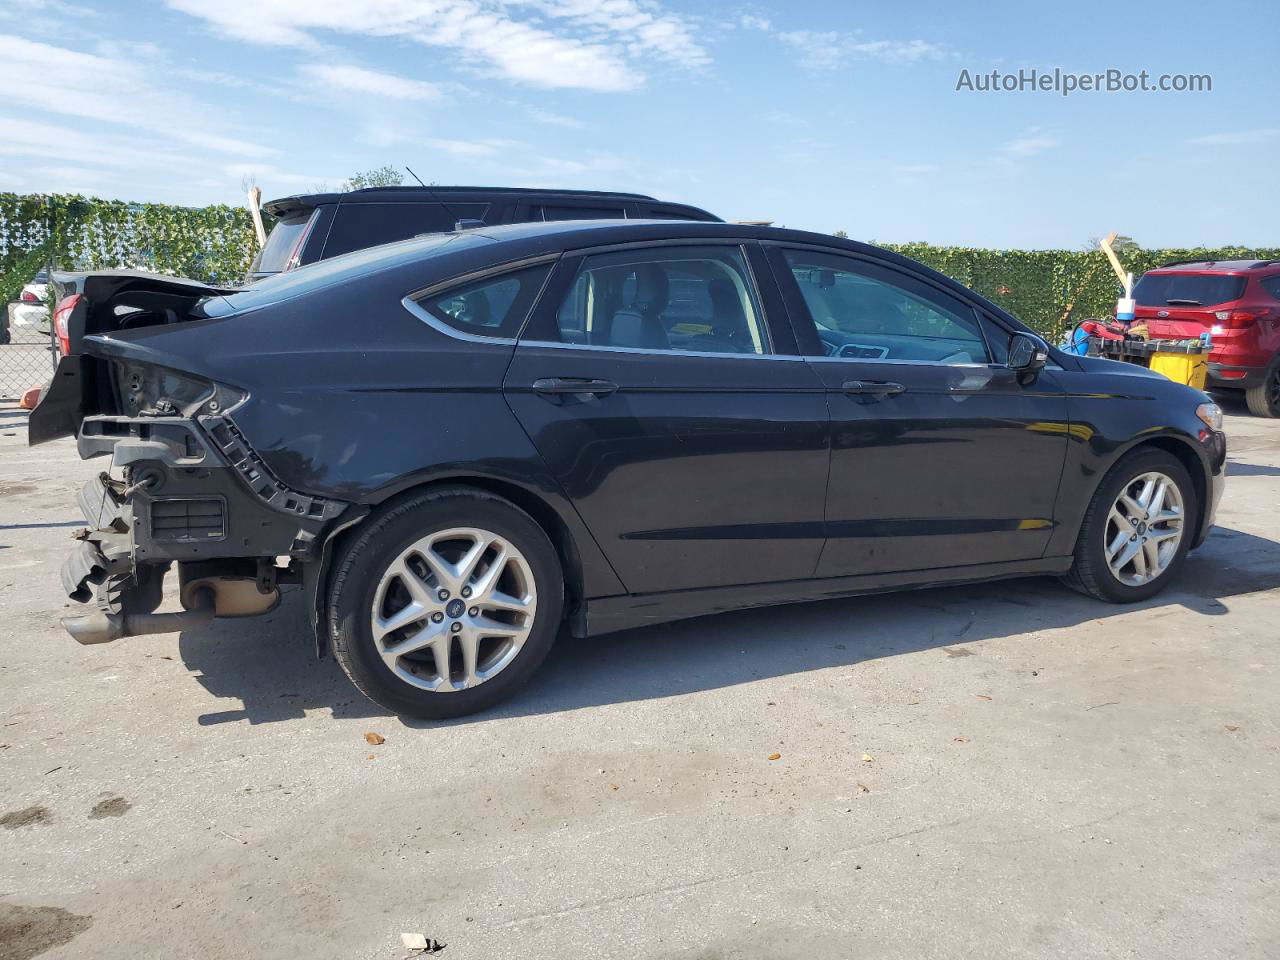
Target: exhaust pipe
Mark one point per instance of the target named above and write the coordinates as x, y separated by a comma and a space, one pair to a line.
105, 627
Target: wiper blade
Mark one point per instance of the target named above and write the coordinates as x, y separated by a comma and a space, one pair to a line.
1183, 303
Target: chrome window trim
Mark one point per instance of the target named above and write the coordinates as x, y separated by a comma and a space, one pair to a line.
435, 323
934, 364
411, 304
559, 345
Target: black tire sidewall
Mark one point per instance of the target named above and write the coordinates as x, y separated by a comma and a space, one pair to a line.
1091, 562
362, 565
1258, 398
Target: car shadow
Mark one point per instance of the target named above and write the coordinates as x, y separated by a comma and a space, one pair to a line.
1238, 469
268, 664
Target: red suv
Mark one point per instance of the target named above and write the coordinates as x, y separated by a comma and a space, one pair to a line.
1238, 302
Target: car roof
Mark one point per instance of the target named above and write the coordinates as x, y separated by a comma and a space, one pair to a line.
457, 253
1214, 266
430, 194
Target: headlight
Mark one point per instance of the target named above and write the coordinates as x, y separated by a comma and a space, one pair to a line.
1211, 414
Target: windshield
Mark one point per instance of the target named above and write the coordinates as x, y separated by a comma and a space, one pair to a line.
1187, 289
283, 244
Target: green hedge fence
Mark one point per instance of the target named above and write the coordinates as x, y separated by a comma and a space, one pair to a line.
1050, 290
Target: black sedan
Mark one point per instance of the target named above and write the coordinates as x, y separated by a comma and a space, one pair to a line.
461, 444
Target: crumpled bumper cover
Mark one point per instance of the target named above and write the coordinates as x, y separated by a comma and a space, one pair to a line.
191, 496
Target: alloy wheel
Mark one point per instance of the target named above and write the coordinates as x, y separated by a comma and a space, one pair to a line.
1144, 528
453, 609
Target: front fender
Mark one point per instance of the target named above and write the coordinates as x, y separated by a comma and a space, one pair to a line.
1113, 414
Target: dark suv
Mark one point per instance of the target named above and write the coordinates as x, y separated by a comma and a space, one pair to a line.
318, 226
1238, 303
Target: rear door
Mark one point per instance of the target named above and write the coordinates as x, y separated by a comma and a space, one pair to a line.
662, 386
940, 457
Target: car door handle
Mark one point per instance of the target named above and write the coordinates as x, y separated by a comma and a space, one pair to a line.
559, 386
876, 388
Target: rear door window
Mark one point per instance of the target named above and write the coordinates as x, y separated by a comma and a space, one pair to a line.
284, 243
1187, 289
360, 225
686, 298
1272, 286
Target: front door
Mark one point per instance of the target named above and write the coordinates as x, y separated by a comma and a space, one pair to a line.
940, 457
650, 380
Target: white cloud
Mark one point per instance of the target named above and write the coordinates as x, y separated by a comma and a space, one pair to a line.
273, 181
828, 50
50, 79
1237, 138
750, 21
635, 25
913, 170
471, 148
26, 137
586, 44
358, 80
1029, 143
555, 119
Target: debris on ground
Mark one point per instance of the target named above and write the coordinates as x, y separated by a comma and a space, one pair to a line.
775, 756
420, 944
376, 739
867, 758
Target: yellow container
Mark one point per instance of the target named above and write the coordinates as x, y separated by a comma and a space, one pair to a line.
1188, 368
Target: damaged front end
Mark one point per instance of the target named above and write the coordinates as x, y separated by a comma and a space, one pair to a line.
184, 488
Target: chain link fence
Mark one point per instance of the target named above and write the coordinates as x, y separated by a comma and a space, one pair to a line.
27, 352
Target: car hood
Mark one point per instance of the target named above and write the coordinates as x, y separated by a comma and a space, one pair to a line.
1117, 367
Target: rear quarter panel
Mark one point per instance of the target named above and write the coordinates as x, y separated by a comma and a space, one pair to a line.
354, 398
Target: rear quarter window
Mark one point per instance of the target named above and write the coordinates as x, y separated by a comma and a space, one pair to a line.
493, 307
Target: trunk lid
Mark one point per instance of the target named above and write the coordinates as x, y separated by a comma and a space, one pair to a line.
104, 302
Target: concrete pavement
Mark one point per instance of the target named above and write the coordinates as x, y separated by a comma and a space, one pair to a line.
1009, 770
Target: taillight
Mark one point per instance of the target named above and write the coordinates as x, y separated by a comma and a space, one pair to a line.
29, 297
61, 317
1236, 319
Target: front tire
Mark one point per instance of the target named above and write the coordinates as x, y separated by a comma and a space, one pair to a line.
1137, 530
446, 603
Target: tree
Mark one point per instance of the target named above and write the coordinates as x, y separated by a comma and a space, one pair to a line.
842, 234
387, 176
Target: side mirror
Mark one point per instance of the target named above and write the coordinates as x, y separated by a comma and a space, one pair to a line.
1027, 355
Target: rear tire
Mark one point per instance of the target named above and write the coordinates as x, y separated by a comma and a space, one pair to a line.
446, 603
1264, 399
1111, 566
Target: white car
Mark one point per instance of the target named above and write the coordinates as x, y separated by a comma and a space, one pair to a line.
29, 312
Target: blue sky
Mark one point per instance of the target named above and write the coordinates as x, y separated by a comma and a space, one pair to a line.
823, 116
